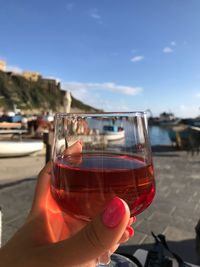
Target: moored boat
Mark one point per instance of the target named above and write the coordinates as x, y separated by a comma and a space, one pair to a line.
13, 148
185, 136
112, 132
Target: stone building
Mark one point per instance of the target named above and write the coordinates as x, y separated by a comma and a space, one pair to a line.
32, 76
2, 65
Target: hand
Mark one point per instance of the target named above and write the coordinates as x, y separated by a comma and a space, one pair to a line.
48, 239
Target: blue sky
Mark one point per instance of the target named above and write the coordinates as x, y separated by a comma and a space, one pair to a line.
118, 55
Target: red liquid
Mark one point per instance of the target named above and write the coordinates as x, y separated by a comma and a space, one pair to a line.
83, 184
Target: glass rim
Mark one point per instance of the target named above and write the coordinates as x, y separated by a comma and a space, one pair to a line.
100, 114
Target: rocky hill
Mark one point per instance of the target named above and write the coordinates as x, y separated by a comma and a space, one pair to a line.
34, 96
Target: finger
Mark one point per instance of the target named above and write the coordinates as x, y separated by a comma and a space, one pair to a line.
75, 148
134, 219
128, 233
42, 189
98, 237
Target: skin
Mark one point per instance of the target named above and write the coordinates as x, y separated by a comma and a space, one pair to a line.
48, 238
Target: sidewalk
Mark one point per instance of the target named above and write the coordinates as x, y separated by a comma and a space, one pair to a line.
16, 169
174, 212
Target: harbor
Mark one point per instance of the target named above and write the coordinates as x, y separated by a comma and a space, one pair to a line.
174, 212
108, 93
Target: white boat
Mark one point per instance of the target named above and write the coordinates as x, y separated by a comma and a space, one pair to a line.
112, 133
13, 148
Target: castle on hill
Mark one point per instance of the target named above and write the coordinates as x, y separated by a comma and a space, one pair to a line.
30, 75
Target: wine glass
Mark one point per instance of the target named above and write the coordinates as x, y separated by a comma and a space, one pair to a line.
97, 157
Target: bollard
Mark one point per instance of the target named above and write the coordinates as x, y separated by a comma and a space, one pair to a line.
197, 228
0, 226
48, 141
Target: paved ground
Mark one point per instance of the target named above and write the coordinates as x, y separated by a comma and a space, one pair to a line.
175, 211
16, 169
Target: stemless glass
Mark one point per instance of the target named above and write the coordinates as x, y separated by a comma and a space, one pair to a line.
99, 156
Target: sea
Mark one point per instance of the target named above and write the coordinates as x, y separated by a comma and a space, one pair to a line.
159, 136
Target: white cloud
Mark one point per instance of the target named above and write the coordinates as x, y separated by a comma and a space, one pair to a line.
173, 43
95, 14
94, 94
120, 105
15, 69
186, 111
198, 95
58, 80
137, 58
168, 49
84, 88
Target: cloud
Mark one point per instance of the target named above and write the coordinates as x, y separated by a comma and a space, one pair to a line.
58, 80
95, 14
173, 43
84, 88
198, 95
112, 106
95, 94
186, 111
15, 69
167, 49
137, 58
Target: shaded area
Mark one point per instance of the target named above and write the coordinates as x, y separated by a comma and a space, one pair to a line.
163, 148
179, 247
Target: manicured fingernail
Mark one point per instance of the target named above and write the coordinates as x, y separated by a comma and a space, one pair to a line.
130, 231
134, 219
113, 213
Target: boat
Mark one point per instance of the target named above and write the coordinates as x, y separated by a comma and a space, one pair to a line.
112, 132
169, 123
179, 135
185, 137
13, 148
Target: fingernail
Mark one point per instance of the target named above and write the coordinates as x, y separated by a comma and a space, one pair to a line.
130, 231
113, 213
134, 219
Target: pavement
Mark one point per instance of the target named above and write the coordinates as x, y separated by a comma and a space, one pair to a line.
174, 212
16, 169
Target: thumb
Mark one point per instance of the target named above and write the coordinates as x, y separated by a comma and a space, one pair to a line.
98, 237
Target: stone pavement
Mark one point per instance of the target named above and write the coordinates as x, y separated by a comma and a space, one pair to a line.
16, 169
174, 212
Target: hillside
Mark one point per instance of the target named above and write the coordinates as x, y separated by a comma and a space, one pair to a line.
31, 96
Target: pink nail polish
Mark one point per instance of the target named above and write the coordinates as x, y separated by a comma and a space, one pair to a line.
113, 213
130, 231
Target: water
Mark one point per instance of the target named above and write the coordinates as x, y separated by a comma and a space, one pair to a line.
159, 136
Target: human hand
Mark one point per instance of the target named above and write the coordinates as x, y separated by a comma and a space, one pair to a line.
49, 239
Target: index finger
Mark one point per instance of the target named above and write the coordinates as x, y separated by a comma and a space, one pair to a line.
42, 189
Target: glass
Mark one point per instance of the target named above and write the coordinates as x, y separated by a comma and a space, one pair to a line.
99, 156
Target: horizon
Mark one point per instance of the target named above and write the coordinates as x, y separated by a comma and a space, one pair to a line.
113, 56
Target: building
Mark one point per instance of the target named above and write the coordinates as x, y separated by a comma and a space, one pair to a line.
31, 76
51, 84
48, 81
2, 65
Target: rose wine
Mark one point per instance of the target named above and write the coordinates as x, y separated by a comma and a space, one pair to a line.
83, 184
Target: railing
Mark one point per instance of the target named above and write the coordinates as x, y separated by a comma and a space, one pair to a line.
12, 128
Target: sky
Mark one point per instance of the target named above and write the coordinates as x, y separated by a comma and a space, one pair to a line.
116, 55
